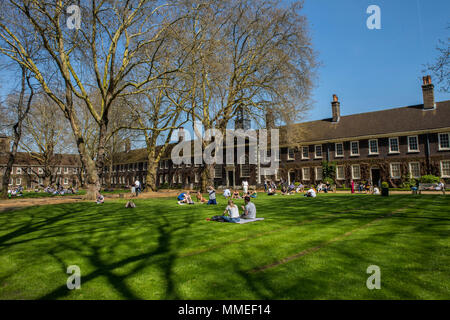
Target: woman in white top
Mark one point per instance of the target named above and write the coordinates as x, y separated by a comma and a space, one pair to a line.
233, 212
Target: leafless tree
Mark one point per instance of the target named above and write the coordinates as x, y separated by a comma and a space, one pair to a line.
98, 58
441, 67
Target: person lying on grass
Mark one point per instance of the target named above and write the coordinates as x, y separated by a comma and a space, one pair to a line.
311, 193
271, 192
249, 209
200, 197
233, 213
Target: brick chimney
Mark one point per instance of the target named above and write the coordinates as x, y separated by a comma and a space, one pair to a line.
4, 144
336, 109
180, 134
127, 145
428, 93
270, 120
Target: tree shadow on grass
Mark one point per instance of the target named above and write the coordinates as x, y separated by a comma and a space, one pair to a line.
163, 256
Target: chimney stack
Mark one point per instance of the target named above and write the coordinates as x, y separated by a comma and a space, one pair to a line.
4, 144
127, 146
428, 93
336, 109
270, 120
180, 134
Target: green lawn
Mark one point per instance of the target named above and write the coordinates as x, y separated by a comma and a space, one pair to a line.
305, 249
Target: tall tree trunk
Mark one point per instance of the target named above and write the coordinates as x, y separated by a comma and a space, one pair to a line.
150, 180
17, 129
206, 177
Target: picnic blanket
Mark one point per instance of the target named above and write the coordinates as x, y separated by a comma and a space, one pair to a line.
242, 221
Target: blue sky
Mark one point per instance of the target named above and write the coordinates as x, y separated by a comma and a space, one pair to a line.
374, 69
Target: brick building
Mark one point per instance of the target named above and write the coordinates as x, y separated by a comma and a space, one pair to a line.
391, 145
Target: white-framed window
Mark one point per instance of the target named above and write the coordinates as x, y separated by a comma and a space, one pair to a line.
291, 154
413, 144
59, 170
10, 182
19, 170
354, 148
356, 172
161, 179
396, 172
245, 170
75, 171
318, 173
218, 171
305, 152
393, 145
161, 164
174, 179
318, 151
444, 141
277, 175
340, 173
29, 170
40, 171
339, 149
445, 168
197, 177
66, 181
414, 170
18, 181
373, 146
166, 178
306, 174
66, 170
180, 178
41, 181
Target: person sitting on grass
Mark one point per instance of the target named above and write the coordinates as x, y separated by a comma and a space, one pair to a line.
311, 193
233, 213
271, 191
200, 197
100, 198
376, 191
181, 197
235, 195
185, 199
249, 209
130, 204
227, 193
212, 195
253, 194
300, 188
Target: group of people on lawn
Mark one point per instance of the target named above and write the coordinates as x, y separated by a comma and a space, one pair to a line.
231, 213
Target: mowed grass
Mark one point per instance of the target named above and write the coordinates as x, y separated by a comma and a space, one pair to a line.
305, 249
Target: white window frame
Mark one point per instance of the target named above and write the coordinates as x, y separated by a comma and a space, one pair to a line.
351, 149
307, 151
66, 181
196, 177
442, 169
370, 151
40, 171
353, 173
18, 170
288, 154
316, 169
391, 171
448, 138
75, 171
336, 155
66, 170
417, 139
410, 170
18, 181
218, 166
303, 174
58, 171
315, 151
390, 145
343, 172
10, 182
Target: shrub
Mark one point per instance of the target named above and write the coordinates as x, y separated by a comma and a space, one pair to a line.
409, 183
384, 184
429, 179
328, 180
